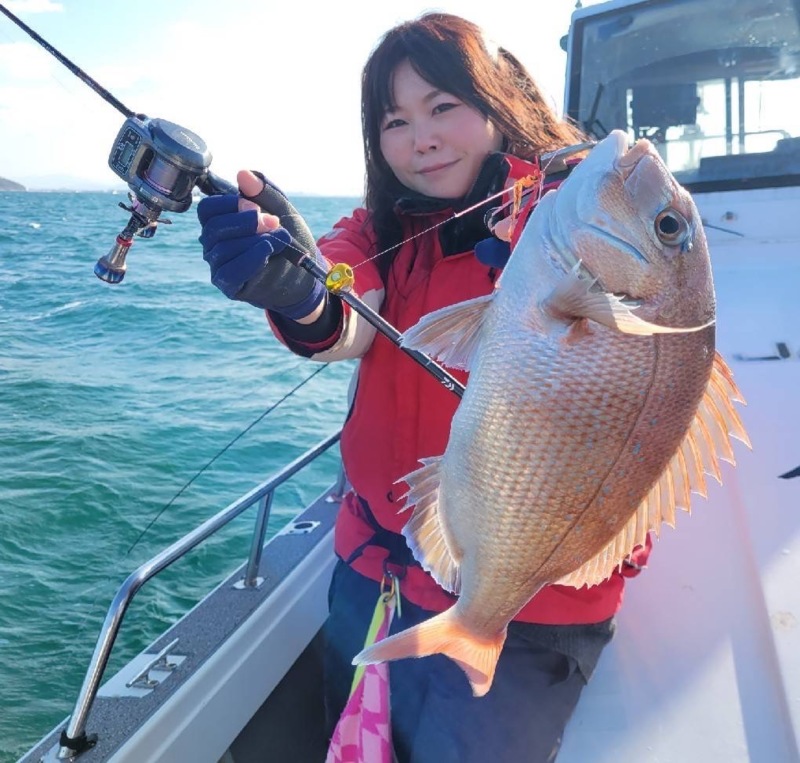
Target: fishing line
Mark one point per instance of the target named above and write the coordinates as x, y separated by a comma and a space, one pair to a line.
70, 91
98, 587
106, 95
223, 450
76, 70
456, 215
524, 197
125, 147
432, 228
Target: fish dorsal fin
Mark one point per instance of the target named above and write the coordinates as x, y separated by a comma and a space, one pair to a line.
427, 537
451, 334
706, 442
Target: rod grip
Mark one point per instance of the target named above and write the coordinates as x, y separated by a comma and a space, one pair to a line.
281, 283
273, 200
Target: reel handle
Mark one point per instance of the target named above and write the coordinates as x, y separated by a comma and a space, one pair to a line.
112, 266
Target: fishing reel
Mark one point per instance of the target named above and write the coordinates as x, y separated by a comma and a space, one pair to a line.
161, 162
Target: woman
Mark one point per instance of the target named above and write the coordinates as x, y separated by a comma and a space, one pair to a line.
448, 121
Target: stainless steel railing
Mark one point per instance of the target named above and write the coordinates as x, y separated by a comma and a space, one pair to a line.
74, 738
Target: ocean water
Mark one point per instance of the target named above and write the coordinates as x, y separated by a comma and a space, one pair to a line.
112, 398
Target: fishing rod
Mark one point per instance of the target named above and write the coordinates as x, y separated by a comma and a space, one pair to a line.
163, 162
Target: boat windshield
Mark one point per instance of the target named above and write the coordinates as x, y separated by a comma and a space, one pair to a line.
714, 84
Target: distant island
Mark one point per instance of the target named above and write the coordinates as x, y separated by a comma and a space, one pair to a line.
61, 183
72, 184
10, 185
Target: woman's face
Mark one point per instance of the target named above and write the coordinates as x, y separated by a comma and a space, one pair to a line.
434, 142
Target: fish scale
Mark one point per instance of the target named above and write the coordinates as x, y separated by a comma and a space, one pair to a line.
560, 496
595, 403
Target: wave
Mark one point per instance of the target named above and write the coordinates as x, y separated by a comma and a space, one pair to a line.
57, 310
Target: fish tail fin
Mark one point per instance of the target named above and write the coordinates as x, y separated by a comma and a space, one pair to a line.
443, 634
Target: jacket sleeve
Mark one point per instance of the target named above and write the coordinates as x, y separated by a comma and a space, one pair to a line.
340, 333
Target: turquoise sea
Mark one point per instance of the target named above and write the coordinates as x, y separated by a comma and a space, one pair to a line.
112, 398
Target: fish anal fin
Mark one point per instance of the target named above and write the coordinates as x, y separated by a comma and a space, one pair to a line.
427, 536
574, 298
451, 334
709, 433
442, 634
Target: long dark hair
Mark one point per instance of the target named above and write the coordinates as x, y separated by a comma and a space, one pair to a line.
451, 54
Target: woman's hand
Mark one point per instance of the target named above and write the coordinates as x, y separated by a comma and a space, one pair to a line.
239, 242
251, 185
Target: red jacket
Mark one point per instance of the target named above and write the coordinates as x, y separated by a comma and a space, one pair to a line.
401, 414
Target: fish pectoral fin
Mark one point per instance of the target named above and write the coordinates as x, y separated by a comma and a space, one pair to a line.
573, 298
706, 441
427, 535
451, 334
442, 634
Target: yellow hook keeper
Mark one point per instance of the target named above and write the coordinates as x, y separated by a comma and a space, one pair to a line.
339, 277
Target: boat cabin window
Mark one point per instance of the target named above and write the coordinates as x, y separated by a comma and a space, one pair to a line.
715, 85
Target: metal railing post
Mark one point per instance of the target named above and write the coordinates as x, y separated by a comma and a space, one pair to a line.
251, 579
338, 491
74, 738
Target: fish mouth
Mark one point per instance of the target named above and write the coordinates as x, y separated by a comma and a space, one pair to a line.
614, 151
622, 157
619, 154
630, 157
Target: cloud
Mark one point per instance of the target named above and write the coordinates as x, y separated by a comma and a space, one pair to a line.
262, 87
34, 6
24, 61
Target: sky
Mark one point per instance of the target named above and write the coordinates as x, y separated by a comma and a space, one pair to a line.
267, 85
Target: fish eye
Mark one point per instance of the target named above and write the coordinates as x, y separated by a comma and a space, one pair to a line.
672, 228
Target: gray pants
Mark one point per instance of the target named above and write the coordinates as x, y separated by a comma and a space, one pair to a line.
435, 718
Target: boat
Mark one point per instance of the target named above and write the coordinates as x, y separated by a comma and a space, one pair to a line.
705, 664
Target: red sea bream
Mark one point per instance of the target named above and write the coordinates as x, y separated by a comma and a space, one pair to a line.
595, 404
